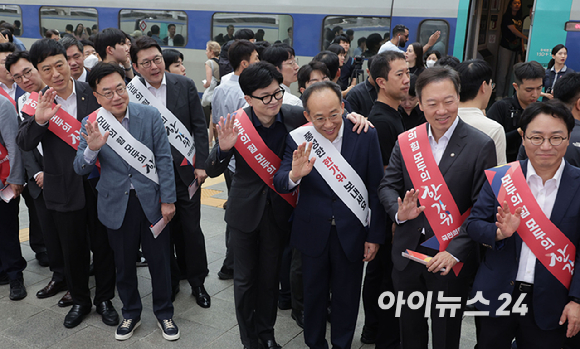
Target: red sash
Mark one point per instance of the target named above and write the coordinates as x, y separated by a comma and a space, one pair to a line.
257, 154
4, 164
550, 246
5, 94
440, 207
62, 124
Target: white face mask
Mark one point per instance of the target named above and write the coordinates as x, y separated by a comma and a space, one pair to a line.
430, 63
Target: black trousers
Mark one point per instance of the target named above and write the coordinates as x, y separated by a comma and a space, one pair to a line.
51, 239
332, 270
35, 236
187, 236
296, 283
258, 255
11, 261
378, 280
125, 242
285, 284
499, 332
229, 258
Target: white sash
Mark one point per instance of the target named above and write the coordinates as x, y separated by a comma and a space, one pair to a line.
337, 172
179, 136
135, 153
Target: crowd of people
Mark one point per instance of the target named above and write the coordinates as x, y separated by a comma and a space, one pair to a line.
108, 143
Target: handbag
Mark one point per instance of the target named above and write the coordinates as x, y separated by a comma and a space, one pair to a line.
207, 97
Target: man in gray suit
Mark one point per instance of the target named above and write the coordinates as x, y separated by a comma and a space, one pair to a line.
129, 201
459, 154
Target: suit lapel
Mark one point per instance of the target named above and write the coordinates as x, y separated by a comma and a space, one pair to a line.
349, 140
81, 101
566, 192
171, 92
454, 147
135, 122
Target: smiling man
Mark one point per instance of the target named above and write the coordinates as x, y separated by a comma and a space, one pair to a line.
442, 164
75, 57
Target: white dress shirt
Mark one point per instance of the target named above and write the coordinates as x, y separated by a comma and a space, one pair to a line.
545, 194
83, 77
70, 104
11, 91
161, 92
289, 98
475, 118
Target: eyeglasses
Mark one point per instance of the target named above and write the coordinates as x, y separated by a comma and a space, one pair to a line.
554, 140
109, 94
25, 74
292, 62
268, 99
321, 120
156, 60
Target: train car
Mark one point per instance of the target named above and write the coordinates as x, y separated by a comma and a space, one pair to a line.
469, 28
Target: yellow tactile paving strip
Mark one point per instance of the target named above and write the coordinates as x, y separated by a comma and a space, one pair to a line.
206, 199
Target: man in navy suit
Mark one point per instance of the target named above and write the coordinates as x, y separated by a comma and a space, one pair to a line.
333, 241
510, 266
129, 202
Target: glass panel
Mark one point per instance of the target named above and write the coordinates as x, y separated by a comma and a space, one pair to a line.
428, 27
271, 28
12, 15
82, 20
158, 24
361, 27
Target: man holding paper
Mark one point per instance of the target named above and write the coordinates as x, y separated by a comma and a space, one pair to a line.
533, 266
440, 163
136, 192
338, 221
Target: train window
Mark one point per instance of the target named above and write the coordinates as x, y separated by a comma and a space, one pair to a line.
12, 15
271, 28
80, 21
373, 27
430, 26
168, 28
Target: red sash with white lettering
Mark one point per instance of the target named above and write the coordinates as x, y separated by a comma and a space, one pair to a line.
440, 207
4, 164
550, 246
62, 124
5, 94
257, 154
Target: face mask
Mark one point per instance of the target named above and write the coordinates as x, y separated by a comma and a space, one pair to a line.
430, 63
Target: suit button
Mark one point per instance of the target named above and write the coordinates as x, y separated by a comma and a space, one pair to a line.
264, 192
126, 193
83, 166
333, 199
511, 283
130, 175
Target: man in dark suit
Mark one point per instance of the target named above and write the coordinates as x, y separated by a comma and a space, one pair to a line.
332, 239
178, 94
70, 198
461, 154
512, 266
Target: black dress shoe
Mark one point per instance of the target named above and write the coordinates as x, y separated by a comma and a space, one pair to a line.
269, 344
17, 289
76, 315
226, 273
65, 301
174, 292
299, 318
201, 295
284, 304
108, 313
42, 258
51, 289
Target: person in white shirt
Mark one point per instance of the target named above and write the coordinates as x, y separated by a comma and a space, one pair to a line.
284, 58
75, 58
476, 89
399, 38
6, 80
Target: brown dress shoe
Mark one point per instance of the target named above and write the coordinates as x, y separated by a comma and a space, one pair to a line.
66, 300
51, 289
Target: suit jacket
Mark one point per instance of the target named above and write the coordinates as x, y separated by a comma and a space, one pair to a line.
8, 132
468, 153
183, 101
497, 273
318, 203
63, 188
248, 194
117, 175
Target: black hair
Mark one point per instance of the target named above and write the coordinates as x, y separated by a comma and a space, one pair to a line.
399, 29
14, 57
306, 70
436, 74
77, 29
178, 40
509, 9
69, 27
567, 89
336, 30
381, 65
85, 42
171, 25
155, 30
431, 52
448, 61
108, 37
374, 42
170, 56
555, 108
361, 40
257, 76
277, 54
331, 60
261, 46
143, 43
71, 41
244, 34
289, 28
336, 48
259, 35
8, 26
49, 33
555, 50
240, 50
412, 82
340, 38
319, 86
473, 73
102, 70
7, 32
95, 26
44, 48
528, 71
418, 50
17, 23
349, 32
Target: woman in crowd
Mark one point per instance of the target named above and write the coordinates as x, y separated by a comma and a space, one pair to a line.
510, 46
80, 33
414, 57
212, 79
556, 69
431, 57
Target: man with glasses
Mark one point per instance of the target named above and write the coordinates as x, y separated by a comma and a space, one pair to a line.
130, 202
284, 58
538, 199
476, 89
176, 97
